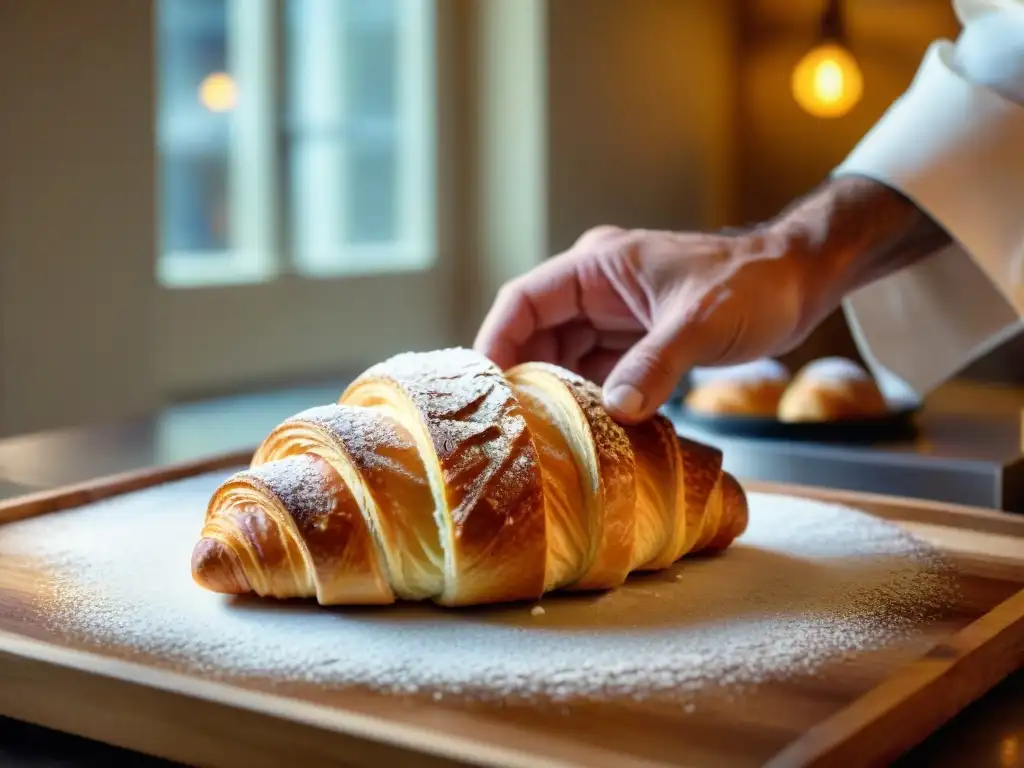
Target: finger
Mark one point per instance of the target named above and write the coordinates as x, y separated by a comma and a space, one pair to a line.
542, 347
618, 341
575, 340
599, 235
543, 298
599, 364
649, 371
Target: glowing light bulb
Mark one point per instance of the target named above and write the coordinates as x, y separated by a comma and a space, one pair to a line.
1009, 752
827, 81
218, 92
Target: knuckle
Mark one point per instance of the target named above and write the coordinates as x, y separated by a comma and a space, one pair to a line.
510, 291
633, 242
600, 234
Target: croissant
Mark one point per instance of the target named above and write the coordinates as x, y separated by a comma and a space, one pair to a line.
438, 476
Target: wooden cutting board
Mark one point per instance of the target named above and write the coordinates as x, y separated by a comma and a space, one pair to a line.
867, 711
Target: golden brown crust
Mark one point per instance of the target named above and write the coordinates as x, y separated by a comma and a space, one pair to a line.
736, 398
613, 550
216, 567
658, 476
713, 517
748, 389
823, 403
264, 547
299, 532
426, 481
700, 468
486, 464
569, 530
735, 514
389, 476
831, 389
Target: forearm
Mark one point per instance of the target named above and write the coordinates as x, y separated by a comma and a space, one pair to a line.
851, 232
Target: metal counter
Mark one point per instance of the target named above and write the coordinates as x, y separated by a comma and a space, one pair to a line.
957, 458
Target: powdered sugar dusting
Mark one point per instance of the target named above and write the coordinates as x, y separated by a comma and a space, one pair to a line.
834, 369
807, 586
372, 439
752, 372
368, 429
488, 462
475, 422
301, 483
611, 442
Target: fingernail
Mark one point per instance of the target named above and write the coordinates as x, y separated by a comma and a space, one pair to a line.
626, 399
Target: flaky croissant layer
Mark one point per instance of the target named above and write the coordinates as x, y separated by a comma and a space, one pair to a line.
437, 476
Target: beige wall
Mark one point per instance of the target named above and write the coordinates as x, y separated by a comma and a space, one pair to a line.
506, 176
76, 212
596, 112
786, 152
641, 116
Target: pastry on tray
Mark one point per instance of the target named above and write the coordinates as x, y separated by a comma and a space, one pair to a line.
832, 389
437, 476
748, 389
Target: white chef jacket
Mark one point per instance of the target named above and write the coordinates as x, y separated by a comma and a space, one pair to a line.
954, 144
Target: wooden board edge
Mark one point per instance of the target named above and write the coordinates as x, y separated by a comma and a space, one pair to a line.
78, 494
183, 729
920, 697
34, 670
902, 508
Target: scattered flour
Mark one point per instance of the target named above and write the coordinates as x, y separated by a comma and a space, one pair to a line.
808, 585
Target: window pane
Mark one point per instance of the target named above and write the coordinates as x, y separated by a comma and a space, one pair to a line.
372, 214
209, 82
358, 134
193, 138
194, 211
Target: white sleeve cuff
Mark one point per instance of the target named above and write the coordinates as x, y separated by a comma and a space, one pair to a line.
956, 150
920, 327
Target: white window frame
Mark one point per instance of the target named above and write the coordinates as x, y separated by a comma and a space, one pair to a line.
253, 49
416, 244
271, 317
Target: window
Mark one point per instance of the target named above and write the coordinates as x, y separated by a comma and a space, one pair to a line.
303, 227
295, 138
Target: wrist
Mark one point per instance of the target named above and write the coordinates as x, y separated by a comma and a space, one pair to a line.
850, 232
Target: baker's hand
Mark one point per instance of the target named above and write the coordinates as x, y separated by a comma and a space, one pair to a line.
637, 309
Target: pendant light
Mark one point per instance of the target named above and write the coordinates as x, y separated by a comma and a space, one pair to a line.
827, 82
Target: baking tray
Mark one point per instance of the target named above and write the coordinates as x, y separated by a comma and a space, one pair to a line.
867, 712
898, 425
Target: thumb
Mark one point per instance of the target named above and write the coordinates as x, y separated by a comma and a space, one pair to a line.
647, 374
